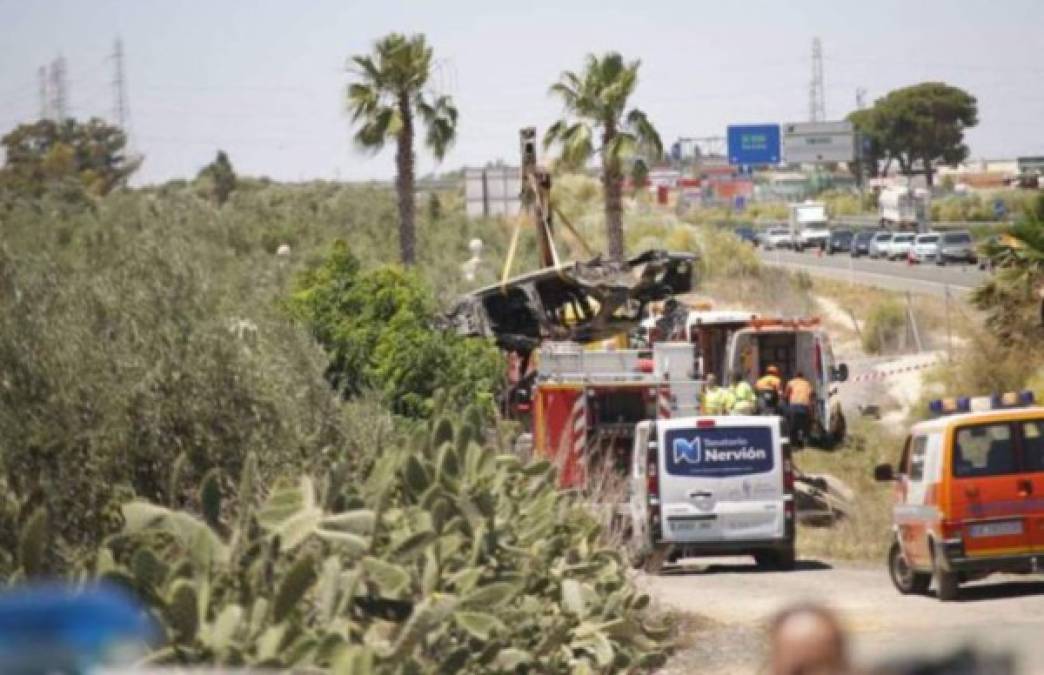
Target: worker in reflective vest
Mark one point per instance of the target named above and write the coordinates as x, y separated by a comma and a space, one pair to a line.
716, 400
769, 389
743, 398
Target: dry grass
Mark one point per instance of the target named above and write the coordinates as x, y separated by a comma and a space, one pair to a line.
864, 534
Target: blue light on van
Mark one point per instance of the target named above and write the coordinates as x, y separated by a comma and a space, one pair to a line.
962, 404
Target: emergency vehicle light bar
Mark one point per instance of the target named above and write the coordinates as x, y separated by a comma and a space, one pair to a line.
963, 404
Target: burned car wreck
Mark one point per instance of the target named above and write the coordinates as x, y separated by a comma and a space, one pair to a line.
578, 301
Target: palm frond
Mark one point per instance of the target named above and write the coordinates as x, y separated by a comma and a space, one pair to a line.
384, 123
648, 137
622, 146
577, 144
440, 120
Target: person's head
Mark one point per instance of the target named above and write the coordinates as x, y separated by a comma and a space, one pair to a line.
800, 374
772, 370
807, 639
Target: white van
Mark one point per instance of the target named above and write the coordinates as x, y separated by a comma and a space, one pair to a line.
794, 346
706, 486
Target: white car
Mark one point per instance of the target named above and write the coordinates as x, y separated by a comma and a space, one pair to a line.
899, 247
925, 248
777, 237
712, 485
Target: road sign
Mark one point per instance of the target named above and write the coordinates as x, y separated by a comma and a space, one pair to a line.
818, 142
753, 144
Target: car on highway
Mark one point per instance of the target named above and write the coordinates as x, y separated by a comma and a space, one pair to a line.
747, 234
899, 247
840, 241
776, 237
957, 246
880, 244
861, 243
813, 235
925, 247
967, 498
711, 486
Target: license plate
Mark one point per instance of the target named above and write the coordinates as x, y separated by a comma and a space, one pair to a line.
1007, 527
690, 525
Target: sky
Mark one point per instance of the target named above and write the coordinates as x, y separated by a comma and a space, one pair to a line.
265, 81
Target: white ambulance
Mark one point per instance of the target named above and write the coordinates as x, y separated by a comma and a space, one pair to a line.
711, 486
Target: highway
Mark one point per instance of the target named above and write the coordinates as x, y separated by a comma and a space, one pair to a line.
893, 276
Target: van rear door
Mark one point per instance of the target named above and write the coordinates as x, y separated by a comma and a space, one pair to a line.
987, 491
721, 479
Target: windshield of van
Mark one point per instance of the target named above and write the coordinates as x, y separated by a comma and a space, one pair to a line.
984, 450
900, 238
883, 236
957, 238
719, 452
927, 238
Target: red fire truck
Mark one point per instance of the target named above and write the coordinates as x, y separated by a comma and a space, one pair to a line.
583, 404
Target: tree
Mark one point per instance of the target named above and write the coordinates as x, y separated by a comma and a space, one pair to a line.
923, 124
1013, 298
596, 102
866, 123
376, 326
47, 151
220, 177
389, 94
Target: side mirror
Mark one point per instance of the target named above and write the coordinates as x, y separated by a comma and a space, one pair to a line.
883, 473
840, 373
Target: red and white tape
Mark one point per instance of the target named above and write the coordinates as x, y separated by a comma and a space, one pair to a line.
881, 374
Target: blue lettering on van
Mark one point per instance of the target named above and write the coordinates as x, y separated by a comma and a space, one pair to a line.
719, 451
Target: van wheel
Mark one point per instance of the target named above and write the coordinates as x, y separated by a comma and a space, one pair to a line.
947, 585
783, 560
905, 579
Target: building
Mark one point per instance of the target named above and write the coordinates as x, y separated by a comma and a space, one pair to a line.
492, 191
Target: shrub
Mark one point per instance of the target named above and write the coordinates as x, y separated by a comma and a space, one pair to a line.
376, 326
884, 327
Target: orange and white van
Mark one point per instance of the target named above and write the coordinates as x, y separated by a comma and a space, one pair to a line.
969, 494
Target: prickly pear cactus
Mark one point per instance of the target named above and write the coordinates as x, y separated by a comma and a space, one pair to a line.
448, 557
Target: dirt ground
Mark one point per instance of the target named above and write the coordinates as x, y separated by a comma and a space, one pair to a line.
735, 601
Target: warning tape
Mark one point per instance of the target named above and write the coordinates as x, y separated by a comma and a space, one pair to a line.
874, 375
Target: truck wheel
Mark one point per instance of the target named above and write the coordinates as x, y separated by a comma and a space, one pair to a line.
839, 429
904, 578
653, 560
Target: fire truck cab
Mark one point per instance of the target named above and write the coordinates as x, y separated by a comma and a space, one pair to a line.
968, 495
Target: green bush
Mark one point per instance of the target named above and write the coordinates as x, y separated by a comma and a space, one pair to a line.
884, 328
377, 327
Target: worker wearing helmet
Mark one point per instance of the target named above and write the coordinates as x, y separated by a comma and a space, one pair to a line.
743, 398
769, 389
715, 400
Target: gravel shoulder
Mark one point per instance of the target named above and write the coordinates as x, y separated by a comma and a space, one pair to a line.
736, 600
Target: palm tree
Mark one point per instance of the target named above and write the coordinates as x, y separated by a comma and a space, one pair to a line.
385, 101
1013, 299
595, 103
